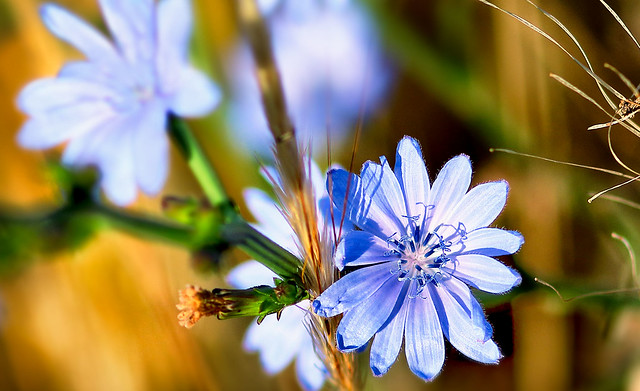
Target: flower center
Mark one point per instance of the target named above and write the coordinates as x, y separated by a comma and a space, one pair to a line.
421, 256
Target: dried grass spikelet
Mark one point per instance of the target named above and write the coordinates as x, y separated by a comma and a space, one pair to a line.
317, 246
297, 198
622, 112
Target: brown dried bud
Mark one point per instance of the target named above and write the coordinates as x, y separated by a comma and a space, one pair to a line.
195, 303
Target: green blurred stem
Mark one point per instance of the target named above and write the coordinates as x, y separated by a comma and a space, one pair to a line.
198, 162
263, 249
141, 226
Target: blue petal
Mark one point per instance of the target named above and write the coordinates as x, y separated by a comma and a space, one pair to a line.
310, 370
481, 205
492, 242
352, 289
461, 293
450, 186
462, 329
424, 343
484, 273
382, 187
361, 322
85, 38
359, 248
151, 148
360, 209
249, 274
412, 175
387, 343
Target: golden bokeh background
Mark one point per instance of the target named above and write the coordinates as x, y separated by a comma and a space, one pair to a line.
467, 78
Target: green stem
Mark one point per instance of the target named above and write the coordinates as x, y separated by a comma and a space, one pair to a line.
72, 226
198, 162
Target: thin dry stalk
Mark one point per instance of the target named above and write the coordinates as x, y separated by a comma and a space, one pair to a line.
622, 113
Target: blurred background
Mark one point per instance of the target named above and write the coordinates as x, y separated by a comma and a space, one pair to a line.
458, 76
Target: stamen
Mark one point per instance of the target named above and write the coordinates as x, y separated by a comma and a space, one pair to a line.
391, 252
430, 252
416, 234
462, 231
427, 239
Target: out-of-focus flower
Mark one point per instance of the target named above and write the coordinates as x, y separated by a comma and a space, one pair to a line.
419, 248
280, 341
328, 56
112, 108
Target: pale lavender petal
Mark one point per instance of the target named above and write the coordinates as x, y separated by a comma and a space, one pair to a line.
194, 95
412, 175
310, 370
359, 248
84, 70
461, 328
132, 25
481, 205
116, 162
424, 343
56, 126
267, 6
75, 31
277, 341
492, 242
450, 186
249, 274
387, 343
43, 95
271, 221
173, 34
352, 289
317, 179
116, 77
484, 273
271, 175
360, 209
151, 146
190, 92
361, 322
83, 149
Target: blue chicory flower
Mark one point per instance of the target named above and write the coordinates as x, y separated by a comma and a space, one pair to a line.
112, 107
280, 341
328, 56
419, 249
